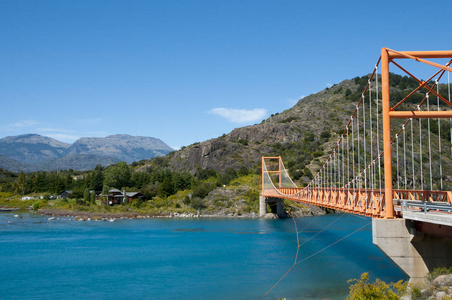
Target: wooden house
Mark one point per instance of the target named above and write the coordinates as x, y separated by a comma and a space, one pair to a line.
115, 196
65, 194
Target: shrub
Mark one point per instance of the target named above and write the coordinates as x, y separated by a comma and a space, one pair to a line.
39, 205
186, 200
197, 203
362, 288
243, 142
202, 190
437, 272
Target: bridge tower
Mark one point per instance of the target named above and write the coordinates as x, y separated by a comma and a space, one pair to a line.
417, 247
276, 204
416, 239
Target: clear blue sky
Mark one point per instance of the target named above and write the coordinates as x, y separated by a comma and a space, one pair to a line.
187, 71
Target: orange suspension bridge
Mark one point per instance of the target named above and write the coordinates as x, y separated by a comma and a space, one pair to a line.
393, 160
358, 176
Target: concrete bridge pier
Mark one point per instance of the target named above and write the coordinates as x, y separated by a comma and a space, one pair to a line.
276, 204
415, 252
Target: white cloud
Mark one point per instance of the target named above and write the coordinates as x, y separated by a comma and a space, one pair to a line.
25, 123
328, 85
63, 135
54, 130
240, 115
19, 125
67, 138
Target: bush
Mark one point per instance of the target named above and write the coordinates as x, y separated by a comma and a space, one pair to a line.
80, 201
136, 203
243, 171
243, 142
186, 200
39, 205
202, 190
437, 272
364, 289
198, 203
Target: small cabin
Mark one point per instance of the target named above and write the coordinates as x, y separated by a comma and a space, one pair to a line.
65, 194
115, 196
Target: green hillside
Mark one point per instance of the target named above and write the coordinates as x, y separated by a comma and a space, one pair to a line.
205, 176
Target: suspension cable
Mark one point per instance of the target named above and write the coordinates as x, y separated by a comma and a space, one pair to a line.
343, 163
364, 142
348, 160
439, 139
397, 155
353, 152
420, 150
448, 91
429, 144
371, 135
359, 153
412, 151
378, 131
404, 156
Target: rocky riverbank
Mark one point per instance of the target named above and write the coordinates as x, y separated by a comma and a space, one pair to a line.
306, 211
438, 288
96, 215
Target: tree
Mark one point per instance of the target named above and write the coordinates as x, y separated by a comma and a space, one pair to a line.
86, 195
97, 179
93, 197
20, 183
105, 189
229, 175
166, 187
118, 175
348, 92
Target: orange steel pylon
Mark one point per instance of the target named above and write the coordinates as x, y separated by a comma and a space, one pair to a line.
389, 56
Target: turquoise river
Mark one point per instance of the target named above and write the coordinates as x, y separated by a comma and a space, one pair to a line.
169, 258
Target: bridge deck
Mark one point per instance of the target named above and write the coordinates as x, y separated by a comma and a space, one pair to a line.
435, 206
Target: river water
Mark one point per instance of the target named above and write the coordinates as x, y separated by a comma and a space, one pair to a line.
185, 258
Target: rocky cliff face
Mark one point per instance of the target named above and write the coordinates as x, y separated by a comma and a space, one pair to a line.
324, 111
216, 154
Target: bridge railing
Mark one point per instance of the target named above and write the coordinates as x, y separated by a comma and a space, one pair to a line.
367, 202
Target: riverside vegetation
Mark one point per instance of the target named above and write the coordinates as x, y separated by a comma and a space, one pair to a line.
167, 193
436, 285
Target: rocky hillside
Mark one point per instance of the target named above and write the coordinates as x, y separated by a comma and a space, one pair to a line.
303, 135
121, 146
33, 152
31, 148
12, 165
303, 125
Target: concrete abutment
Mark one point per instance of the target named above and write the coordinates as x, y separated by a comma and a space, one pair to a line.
276, 205
415, 252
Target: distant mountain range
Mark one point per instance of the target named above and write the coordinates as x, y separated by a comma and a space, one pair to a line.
33, 152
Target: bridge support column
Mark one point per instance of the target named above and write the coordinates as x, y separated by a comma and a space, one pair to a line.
277, 205
415, 253
262, 206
